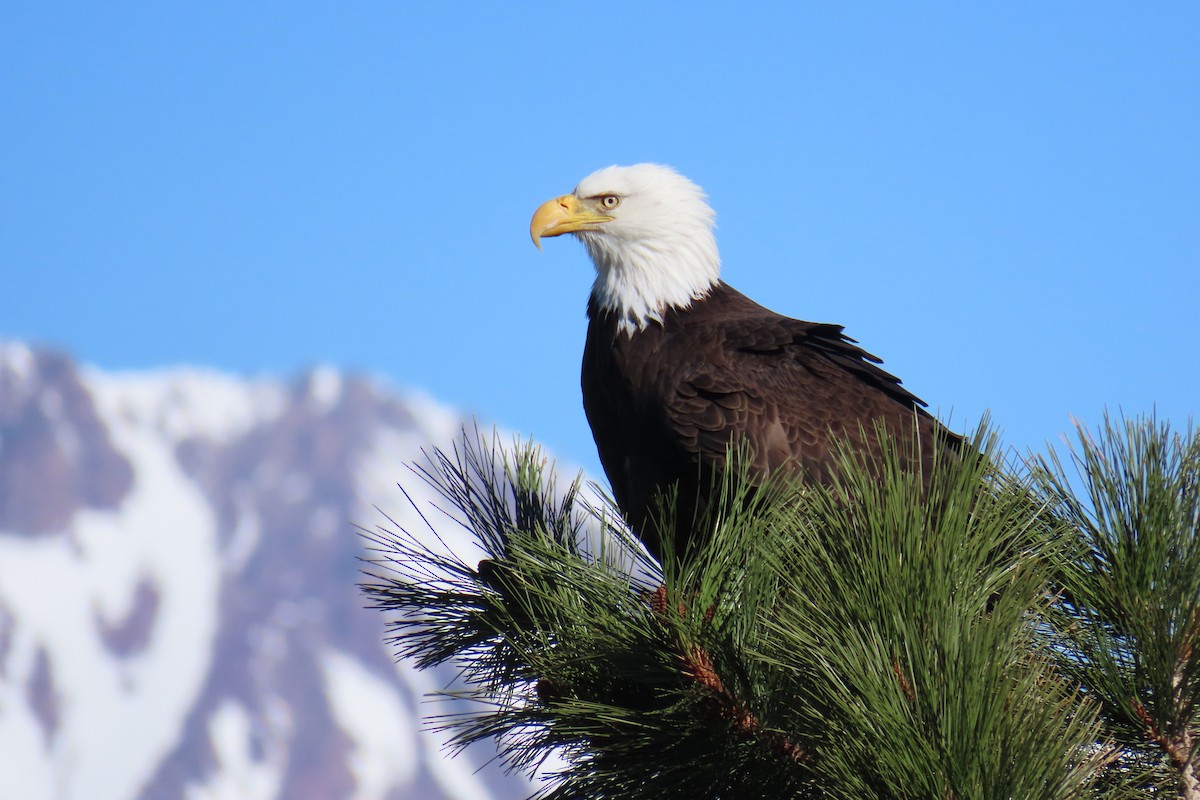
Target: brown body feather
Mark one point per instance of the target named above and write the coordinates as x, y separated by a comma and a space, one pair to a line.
666, 402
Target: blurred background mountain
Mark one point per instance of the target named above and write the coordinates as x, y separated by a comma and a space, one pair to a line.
179, 616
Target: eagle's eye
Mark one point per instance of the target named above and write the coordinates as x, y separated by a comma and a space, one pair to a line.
610, 201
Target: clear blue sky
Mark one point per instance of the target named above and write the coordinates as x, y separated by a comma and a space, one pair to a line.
1003, 202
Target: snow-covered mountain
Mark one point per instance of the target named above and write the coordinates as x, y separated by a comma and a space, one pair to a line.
179, 615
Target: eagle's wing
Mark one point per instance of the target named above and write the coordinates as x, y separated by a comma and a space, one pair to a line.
786, 389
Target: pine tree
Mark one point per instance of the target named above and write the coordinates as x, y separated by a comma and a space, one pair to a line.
978, 632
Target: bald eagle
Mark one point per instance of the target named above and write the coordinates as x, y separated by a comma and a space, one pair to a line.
678, 365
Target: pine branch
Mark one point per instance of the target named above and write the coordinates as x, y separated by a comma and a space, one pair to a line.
1131, 600
917, 623
565, 651
884, 637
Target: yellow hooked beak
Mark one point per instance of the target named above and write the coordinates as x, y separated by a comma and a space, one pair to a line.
563, 215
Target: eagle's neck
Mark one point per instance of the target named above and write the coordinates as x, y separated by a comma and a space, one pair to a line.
641, 281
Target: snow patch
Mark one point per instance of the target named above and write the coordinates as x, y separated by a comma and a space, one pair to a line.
388, 464
187, 403
452, 770
21, 742
16, 358
439, 425
240, 776
325, 387
243, 542
119, 717
371, 712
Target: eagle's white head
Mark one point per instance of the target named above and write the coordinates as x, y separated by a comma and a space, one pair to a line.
649, 232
